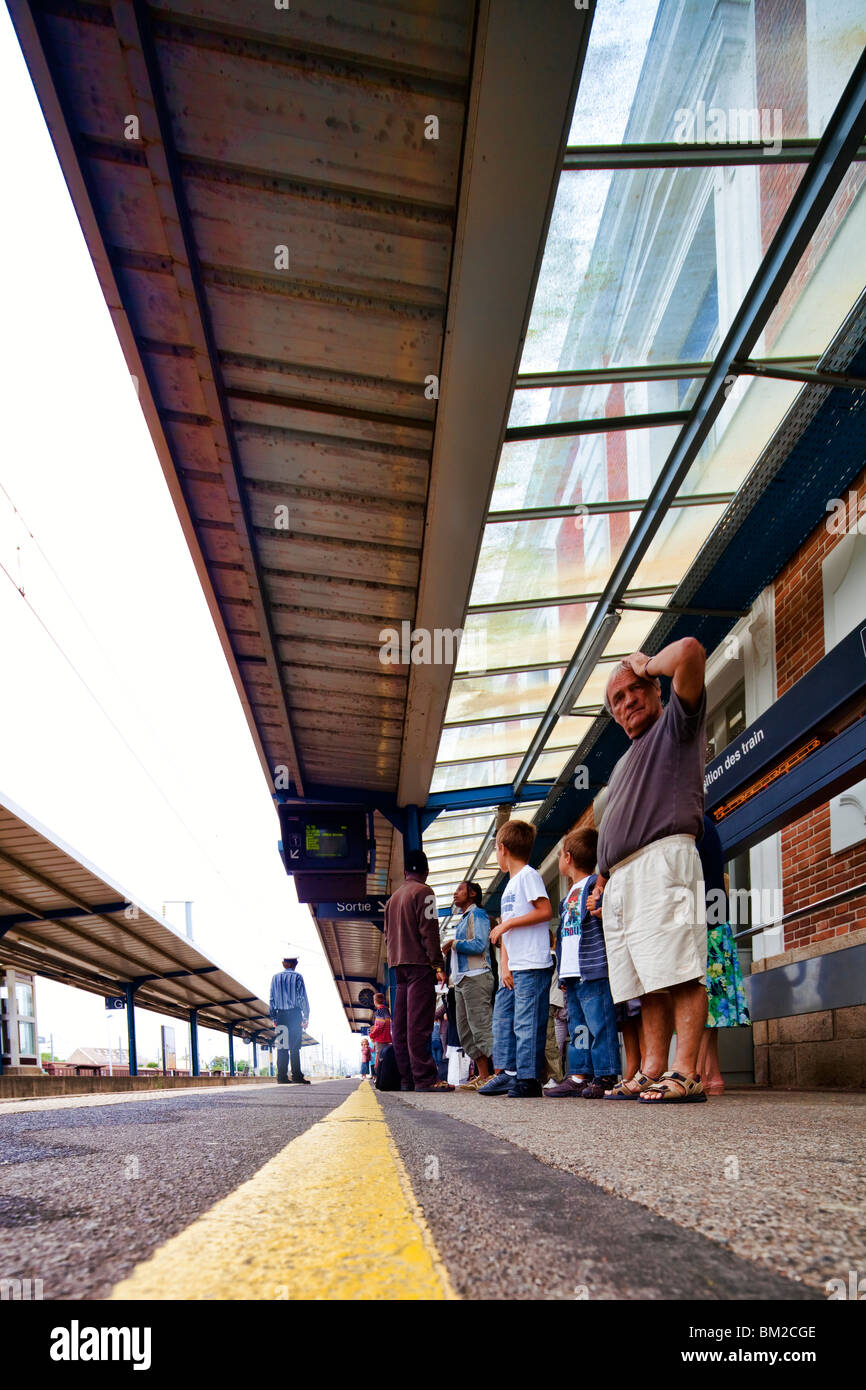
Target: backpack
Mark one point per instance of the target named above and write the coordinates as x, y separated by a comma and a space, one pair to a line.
387, 1071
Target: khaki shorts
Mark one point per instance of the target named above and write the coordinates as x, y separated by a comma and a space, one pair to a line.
654, 929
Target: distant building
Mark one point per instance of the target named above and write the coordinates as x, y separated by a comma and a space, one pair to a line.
98, 1057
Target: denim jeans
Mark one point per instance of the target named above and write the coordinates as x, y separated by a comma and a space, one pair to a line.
290, 1021
590, 1007
520, 1024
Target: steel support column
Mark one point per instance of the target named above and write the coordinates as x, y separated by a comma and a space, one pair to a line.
412, 831
230, 1031
193, 1042
255, 1058
129, 990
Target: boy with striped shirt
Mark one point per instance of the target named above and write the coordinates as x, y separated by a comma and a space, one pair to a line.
581, 961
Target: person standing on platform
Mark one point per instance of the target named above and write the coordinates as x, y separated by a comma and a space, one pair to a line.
652, 907
520, 1013
366, 1054
473, 980
414, 954
582, 966
728, 1007
290, 1011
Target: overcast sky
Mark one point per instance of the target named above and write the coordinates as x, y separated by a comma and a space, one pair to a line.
120, 727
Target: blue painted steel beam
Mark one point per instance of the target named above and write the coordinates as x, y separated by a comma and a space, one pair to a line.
255, 1057
478, 798
193, 1042
412, 832
59, 914
129, 990
825, 773
231, 1037
813, 196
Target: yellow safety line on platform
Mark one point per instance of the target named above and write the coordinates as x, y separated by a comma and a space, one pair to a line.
332, 1216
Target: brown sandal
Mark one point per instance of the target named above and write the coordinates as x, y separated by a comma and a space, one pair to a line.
674, 1089
630, 1090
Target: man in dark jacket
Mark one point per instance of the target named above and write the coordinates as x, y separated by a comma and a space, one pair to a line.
290, 1011
414, 953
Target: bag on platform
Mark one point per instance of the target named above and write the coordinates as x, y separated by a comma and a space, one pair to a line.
458, 1066
387, 1071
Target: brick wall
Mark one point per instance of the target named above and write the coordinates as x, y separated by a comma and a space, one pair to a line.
809, 870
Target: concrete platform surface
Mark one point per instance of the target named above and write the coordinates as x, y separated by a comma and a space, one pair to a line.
777, 1178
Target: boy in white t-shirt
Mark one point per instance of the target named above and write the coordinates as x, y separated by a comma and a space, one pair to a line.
520, 1010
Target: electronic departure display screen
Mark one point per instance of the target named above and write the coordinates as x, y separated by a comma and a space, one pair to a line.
327, 841
324, 838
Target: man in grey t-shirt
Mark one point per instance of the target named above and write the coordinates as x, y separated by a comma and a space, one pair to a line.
649, 870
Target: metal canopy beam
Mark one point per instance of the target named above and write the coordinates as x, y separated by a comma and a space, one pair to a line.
692, 155
473, 798
492, 284
811, 200
663, 371
561, 601
620, 504
811, 378
558, 429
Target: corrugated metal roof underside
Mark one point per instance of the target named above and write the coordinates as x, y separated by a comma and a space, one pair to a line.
280, 236
50, 923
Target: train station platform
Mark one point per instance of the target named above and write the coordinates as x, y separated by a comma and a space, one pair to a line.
334, 1191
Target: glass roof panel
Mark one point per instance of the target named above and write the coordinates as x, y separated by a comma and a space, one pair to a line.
599, 401
481, 774
585, 468
648, 266
455, 823
556, 558
828, 279
542, 634
676, 543
744, 426
498, 740
450, 849
653, 71
551, 762
517, 693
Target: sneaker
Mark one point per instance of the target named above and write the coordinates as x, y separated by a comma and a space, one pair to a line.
524, 1089
568, 1087
497, 1085
597, 1087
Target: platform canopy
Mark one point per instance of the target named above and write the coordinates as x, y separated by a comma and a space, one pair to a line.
495, 319
62, 918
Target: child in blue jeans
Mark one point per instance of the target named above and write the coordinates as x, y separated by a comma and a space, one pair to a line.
521, 1006
581, 961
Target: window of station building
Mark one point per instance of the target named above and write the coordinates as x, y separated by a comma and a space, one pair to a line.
726, 722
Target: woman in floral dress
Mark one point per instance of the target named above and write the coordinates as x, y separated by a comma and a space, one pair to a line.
725, 993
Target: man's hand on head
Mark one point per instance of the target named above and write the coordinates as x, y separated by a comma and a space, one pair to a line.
638, 662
